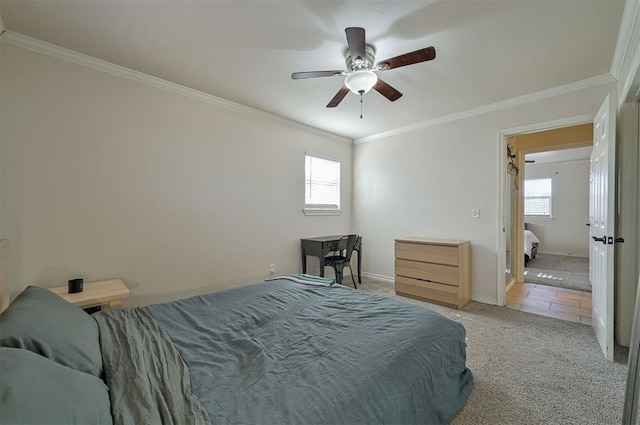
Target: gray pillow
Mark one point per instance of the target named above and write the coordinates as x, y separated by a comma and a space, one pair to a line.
43, 322
35, 390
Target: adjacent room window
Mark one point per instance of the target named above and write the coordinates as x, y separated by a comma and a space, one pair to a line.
321, 186
537, 198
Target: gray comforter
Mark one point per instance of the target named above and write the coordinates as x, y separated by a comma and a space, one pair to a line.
148, 381
281, 352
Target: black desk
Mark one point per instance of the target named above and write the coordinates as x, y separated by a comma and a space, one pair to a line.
323, 245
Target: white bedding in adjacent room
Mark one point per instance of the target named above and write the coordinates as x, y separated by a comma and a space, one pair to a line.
529, 240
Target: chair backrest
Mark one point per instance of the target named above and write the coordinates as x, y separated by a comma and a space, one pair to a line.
351, 243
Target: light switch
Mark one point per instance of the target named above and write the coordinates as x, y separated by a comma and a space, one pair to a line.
475, 213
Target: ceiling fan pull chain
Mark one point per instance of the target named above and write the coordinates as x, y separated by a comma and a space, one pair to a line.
360, 105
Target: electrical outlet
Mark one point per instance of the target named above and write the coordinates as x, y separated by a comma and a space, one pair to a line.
272, 269
475, 213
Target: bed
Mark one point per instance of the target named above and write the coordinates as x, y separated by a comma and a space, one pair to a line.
531, 243
276, 352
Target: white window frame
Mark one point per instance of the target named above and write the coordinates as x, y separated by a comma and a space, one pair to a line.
321, 208
539, 217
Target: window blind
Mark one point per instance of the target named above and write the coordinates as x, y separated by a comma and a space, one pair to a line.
537, 197
321, 183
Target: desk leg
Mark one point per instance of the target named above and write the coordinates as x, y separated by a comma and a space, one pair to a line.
360, 265
304, 261
321, 264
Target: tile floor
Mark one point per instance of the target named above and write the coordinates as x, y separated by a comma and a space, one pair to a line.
565, 304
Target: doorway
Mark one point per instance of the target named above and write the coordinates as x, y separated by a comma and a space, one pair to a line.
556, 236
568, 143
556, 191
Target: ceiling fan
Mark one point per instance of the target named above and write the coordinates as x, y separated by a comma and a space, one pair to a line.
360, 75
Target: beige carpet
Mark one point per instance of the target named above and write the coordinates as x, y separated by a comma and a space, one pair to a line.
532, 369
562, 271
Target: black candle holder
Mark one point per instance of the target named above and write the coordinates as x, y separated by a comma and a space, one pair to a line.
76, 285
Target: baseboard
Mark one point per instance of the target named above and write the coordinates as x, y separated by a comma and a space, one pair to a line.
566, 254
485, 300
379, 277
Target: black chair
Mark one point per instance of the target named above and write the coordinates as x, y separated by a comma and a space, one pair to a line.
341, 258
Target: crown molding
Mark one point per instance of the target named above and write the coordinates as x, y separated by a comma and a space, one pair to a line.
630, 18
497, 106
30, 43
625, 94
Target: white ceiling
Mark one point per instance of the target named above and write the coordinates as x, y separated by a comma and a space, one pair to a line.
245, 51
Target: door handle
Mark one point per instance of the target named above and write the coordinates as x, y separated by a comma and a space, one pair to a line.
588, 224
619, 240
602, 239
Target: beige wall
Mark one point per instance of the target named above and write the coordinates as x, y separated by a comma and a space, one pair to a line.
105, 177
566, 233
426, 182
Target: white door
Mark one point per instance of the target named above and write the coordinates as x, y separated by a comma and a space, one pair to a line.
601, 219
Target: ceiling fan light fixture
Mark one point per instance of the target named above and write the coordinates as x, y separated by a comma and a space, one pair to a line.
360, 82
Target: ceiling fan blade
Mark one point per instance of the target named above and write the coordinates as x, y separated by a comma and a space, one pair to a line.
387, 91
356, 42
422, 55
315, 74
338, 97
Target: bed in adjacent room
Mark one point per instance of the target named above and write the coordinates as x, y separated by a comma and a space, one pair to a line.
531, 244
272, 353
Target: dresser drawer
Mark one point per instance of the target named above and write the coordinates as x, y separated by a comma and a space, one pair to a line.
427, 271
440, 254
430, 291
436, 270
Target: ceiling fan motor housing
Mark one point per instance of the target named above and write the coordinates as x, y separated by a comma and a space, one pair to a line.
360, 64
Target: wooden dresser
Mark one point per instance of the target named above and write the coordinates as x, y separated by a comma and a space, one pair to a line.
434, 270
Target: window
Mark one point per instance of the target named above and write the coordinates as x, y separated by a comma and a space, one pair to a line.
537, 198
321, 186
